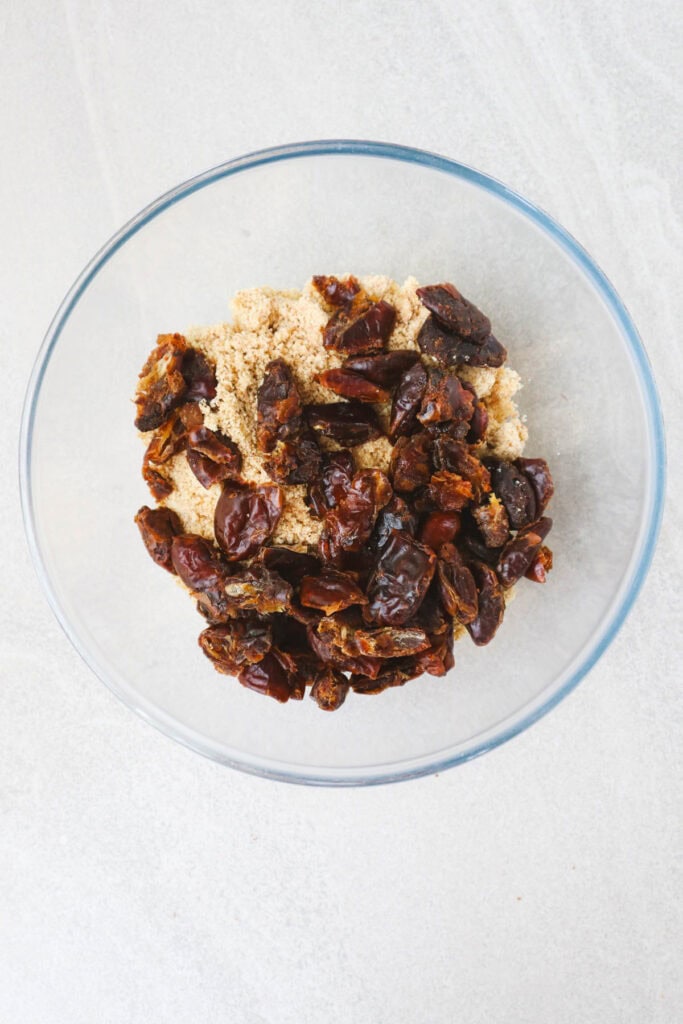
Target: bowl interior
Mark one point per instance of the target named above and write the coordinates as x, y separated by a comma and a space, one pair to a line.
277, 223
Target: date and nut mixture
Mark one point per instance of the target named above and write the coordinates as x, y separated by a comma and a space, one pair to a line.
340, 484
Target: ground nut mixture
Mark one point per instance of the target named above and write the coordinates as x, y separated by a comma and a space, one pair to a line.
341, 483
269, 324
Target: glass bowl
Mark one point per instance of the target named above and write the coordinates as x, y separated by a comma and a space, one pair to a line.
277, 217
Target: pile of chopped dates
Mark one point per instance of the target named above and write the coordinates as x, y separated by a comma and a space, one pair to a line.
402, 559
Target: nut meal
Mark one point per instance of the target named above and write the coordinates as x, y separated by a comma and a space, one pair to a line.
340, 483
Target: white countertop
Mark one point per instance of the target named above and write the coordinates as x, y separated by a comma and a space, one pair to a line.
141, 883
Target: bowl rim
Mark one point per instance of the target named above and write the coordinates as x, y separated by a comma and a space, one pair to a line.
615, 615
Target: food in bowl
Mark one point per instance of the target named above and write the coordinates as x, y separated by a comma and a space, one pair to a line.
341, 483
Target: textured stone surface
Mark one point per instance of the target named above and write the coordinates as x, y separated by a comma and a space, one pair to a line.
141, 883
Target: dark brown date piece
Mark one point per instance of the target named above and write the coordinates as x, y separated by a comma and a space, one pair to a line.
335, 478
491, 604
199, 376
331, 591
162, 385
445, 399
439, 528
519, 553
360, 329
479, 421
456, 457
245, 517
456, 313
456, 585
330, 654
267, 677
216, 446
397, 515
199, 566
278, 406
384, 369
449, 491
407, 401
348, 526
290, 564
541, 565
330, 688
294, 462
347, 423
385, 642
493, 522
411, 462
352, 385
537, 473
450, 350
158, 527
232, 645
335, 291
514, 490
399, 581
206, 470
259, 590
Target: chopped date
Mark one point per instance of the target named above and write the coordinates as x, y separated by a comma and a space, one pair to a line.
352, 385
216, 446
386, 680
450, 350
158, 527
330, 654
278, 406
206, 470
348, 423
439, 528
167, 440
292, 565
330, 688
397, 515
294, 462
540, 566
245, 517
199, 376
455, 456
411, 462
407, 401
473, 547
445, 399
197, 563
384, 369
257, 589
385, 642
232, 645
493, 522
360, 328
162, 385
449, 491
456, 585
335, 478
478, 424
456, 313
514, 490
483, 628
537, 473
159, 486
400, 580
268, 677
331, 591
335, 291
519, 553
349, 525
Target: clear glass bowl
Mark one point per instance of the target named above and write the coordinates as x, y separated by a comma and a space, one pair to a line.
276, 217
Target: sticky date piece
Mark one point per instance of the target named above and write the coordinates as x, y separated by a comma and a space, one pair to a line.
493, 522
348, 526
330, 688
278, 406
411, 462
335, 478
514, 490
450, 350
162, 385
384, 369
519, 553
540, 566
537, 473
400, 580
158, 527
331, 591
456, 585
407, 401
267, 677
483, 628
245, 517
352, 385
439, 528
348, 423
445, 399
359, 328
234, 644
199, 376
397, 515
456, 313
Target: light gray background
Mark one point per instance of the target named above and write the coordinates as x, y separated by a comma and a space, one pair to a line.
141, 883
